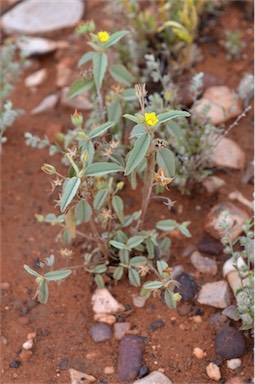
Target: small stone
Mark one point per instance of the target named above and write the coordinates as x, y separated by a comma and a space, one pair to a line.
188, 250
155, 377
213, 372
80, 102
197, 319
24, 320
63, 365
32, 303
236, 219
188, 287
4, 286
15, 364
36, 78
229, 343
177, 271
4, 341
15, 376
120, 329
104, 302
227, 153
223, 103
210, 246
25, 355
100, 332
199, 353
236, 195
234, 364
217, 320
184, 308
138, 301
105, 318
204, 264
215, 294
36, 46
231, 312
109, 370
213, 183
156, 324
78, 377
28, 344
130, 357
182, 327
144, 371
47, 103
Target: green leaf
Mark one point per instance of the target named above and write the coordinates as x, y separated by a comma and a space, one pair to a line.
134, 277
184, 230
101, 129
31, 271
124, 256
129, 94
57, 275
85, 58
153, 285
117, 244
134, 241
99, 68
138, 153
101, 268
114, 111
83, 212
169, 299
43, 292
132, 118
150, 248
161, 265
121, 236
118, 206
69, 191
137, 131
99, 281
163, 117
118, 273
101, 169
166, 225
80, 86
166, 161
66, 237
138, 260
114, 38
165, 244
121, 74
100, 198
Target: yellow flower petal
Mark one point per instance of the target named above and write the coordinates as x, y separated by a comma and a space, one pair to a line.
151, 119
103, 36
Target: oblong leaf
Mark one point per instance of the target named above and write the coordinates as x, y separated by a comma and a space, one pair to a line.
134, 277
118, 273
57, 275
80, 86
166, 225
138, 260
118, 206
31, 271
99, 67
161, 265
184, 230
101, 129
137, 131
69, 191
132, 118
163, 117
83, 212
134, 241
43, 292
153, 285
100, 198
166, 161
138, 153
169, 299
114, 111
85, 58
115, 37
117, 244
99, 281
120, 73
101, 169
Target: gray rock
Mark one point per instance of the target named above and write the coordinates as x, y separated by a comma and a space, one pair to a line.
231, 312
213, 183
30, 46
215, 294
48, 103
229, 343
36, 78
79, 102
188, 287
36, 16
138, 301
210, 246
184, 309
227, 153
218, 320
177, 271
104, 302
120, 329
204, 264
154, 378
130, 357
100, 332
234, 364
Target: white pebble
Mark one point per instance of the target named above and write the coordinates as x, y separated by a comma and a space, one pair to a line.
213, 372
234, 364
28, 344
199, 353
109, 370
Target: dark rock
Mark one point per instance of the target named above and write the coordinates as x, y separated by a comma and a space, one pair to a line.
24, 310
229, 343
184, 309
15, 364
218, 320
42, 333
100, 332
130, 357
156, 324
197, 310
188, 287
210, 246
64, 363
144, 371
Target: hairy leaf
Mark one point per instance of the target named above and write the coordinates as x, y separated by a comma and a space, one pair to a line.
166, 161
99, 68
69, 191
138, 153
101, 169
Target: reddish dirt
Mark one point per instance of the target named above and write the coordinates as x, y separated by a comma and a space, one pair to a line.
62, 325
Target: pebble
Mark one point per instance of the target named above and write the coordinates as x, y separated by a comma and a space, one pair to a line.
120, 329
49, 102
30, 46
184, 309
213, 183
231, 312
78, 377
104, 302
28, 344
238, 380
229, 343
4, 341
109, 370
24, 320
100, 332
156, 324
199, 353
236, 218
38, 17
4, 286
215, 294
217, 320
31, 335
223, 103
248, 176
213, 372
25, 355
227, 153
80, 102
197, 319
144, 371
234, 364
138, 301
210, 246
130, 357
155, 377
15, 364
188, 250
36, 78
105, 318
236, 195
177, 271
188, 287
63, 365
204, 264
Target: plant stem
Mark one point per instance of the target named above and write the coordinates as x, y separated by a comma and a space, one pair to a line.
98, 239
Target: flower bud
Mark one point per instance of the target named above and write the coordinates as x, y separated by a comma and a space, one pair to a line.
77, 119
177, 297
120, 185
48, 168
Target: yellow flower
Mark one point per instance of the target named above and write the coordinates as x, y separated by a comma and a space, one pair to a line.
151, 119
103, 36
